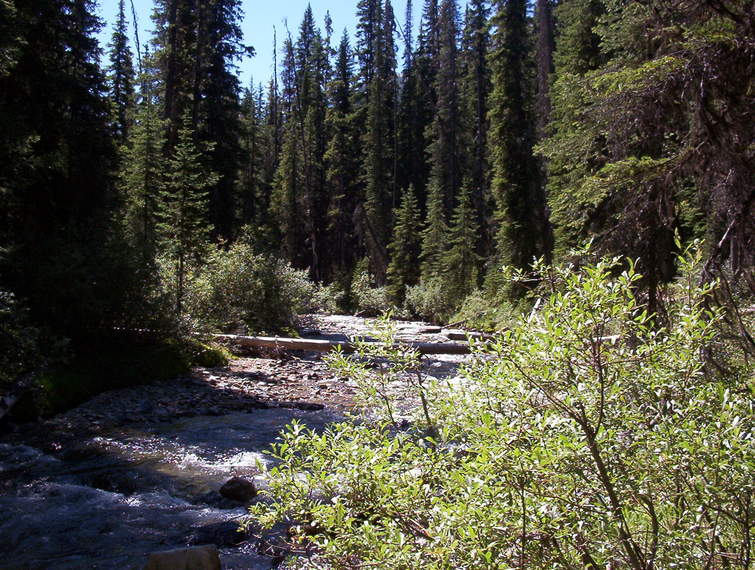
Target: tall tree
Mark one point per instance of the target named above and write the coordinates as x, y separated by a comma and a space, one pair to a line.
444, 151
379, 139
475, 89
434, 237
182, 208
121, 77
342, 159
461, 260
56, 155
520, 201
198, 44
142, 170
404, 247
627, 117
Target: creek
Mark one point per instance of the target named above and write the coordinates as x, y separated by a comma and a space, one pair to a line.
138, 470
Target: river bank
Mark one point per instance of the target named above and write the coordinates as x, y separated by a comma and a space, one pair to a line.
138, 470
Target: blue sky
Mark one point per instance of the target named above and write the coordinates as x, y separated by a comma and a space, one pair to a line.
260, 17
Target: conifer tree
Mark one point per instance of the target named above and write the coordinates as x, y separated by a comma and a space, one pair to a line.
404, 247
379, 140
121, 77
520, 201
461, 260
342, 159
444, 150
251, 192
434, 237
142, 172
56, 158
475, 89
197, 45
182, 208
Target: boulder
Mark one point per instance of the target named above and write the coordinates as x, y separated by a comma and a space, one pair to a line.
239, 489
226, 533
194, 558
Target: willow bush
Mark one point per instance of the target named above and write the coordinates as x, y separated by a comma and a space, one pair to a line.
586, 435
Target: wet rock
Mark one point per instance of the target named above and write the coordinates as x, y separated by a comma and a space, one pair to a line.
194, 558
226, 533
239, 489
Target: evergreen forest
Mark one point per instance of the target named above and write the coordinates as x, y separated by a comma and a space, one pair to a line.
554, 172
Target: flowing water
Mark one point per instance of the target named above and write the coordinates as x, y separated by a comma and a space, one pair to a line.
110, 500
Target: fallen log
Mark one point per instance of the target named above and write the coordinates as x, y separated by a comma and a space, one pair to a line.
285, 343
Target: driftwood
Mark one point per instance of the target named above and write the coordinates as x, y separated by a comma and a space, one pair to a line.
315, 345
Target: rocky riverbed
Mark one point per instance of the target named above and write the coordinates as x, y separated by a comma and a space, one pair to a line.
139, 470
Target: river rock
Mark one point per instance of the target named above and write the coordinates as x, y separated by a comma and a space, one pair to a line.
195, 558
226, 533
239, 489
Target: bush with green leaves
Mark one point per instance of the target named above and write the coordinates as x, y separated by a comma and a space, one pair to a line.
586, 435
241, 290
431, 300
366, 297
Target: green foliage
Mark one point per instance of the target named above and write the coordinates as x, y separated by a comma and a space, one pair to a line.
431, 300
21, 347
461, 259
404, 247
240, 290
367, 297
182, 209
434, 236
584, 436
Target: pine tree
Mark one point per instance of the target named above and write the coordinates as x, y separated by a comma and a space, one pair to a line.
404, 248
461, 260
475, 89
56, 158
182, 208
411, 123
197, 45
379, 140
121, 77
342, 161
434, 237
444, 151
544, 61
142, 172
249, 181
520, 201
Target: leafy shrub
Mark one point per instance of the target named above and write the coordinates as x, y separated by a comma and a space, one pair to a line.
239, 289
431, 300
365, 296
584, 436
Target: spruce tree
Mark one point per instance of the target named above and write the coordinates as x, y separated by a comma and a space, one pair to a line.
520, 201
198, 44
142, 173
404, 248
475, 89
434, 237
342, 160
56, 159
461, 260
379, 140
182, 208
444, 150
121, 77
